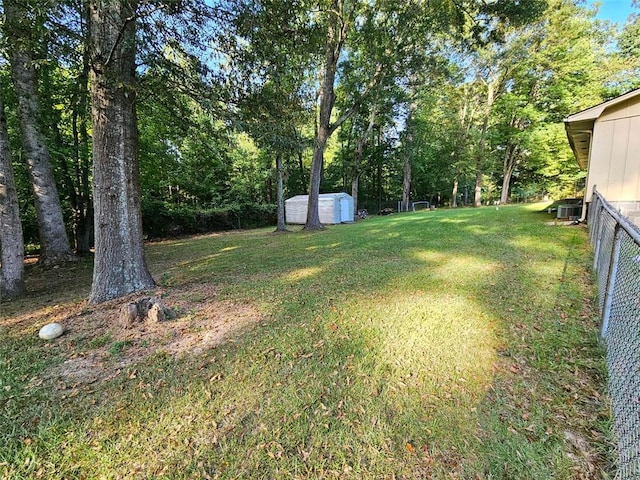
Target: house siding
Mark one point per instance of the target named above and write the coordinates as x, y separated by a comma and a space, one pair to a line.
615, 153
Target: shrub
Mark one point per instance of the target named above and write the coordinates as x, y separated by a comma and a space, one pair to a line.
161, 219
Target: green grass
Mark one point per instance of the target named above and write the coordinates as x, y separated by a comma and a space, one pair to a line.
447, 344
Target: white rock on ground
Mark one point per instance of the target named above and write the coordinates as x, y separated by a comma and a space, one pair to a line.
51, 331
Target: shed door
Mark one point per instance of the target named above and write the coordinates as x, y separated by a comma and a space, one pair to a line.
346, 210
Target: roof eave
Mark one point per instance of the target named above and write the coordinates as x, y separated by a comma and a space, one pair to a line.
579, 134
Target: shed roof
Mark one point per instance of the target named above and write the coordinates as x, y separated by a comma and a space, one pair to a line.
322, 196
579, 126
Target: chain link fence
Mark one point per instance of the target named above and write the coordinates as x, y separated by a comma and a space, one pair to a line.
616, 243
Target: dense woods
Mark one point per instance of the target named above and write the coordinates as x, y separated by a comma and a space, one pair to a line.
140, 120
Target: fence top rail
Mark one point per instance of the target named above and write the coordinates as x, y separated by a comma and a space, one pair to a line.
624, 223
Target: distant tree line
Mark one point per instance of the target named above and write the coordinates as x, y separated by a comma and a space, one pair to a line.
124, 120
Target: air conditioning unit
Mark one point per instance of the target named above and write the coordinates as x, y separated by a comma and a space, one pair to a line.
569, 211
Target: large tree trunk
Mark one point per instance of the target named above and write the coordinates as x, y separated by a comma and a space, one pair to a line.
336, 28
11, 240
454, 191
119, 267
282, 226
313, 214
509, 165
477, 194
54, 242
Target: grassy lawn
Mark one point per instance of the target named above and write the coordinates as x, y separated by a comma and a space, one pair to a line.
447, 344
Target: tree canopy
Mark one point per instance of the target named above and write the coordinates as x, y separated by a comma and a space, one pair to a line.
237, 104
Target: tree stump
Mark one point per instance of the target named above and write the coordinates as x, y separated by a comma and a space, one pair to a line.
146, 309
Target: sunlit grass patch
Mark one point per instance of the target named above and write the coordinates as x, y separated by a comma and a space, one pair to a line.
446, 344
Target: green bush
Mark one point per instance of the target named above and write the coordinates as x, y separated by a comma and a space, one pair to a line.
161, 219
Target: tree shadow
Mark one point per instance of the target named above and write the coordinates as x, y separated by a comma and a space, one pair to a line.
326, 368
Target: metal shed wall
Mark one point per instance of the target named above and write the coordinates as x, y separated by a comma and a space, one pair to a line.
333, 208
295, 209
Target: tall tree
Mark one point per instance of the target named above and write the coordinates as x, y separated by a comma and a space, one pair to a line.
65, 86
11, 241
119, 266
547, 82
361, 142
23, 20
273, 97
629, 52
339, 16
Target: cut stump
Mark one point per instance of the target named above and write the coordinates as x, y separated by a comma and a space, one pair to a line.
146, 309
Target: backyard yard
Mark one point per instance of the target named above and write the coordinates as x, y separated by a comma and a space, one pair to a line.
436, 344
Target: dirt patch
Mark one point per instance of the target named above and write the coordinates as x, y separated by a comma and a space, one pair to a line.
97, 348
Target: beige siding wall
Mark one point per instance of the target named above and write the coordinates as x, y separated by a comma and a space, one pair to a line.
615, 153
629, 108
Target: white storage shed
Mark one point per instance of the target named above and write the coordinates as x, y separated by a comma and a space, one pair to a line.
332, 208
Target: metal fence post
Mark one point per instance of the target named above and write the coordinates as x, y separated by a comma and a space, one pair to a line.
611, 279
593, 218
598, 235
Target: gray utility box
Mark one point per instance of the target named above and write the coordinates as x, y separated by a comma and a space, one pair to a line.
569, 211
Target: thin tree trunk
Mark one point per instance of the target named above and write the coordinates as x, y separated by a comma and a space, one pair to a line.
466, 119
477, 190
359, 152
379, 184
83, 209
11, 240
82, 206
477, 195
454, 191
54, 242
282, 226
119, 266
406, 182
355, 186
303, 185
494, 88
408, 152
268, 190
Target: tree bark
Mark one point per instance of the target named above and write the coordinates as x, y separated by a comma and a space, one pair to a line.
406, 183
406, 168
119, 266
336, 29
477, 195
454, 191
282, 226
54, 242
509, 165
355, 187
359, 152
83, 207
11, 240
477, 189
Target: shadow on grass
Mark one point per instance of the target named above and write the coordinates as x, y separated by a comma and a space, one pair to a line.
417, 346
